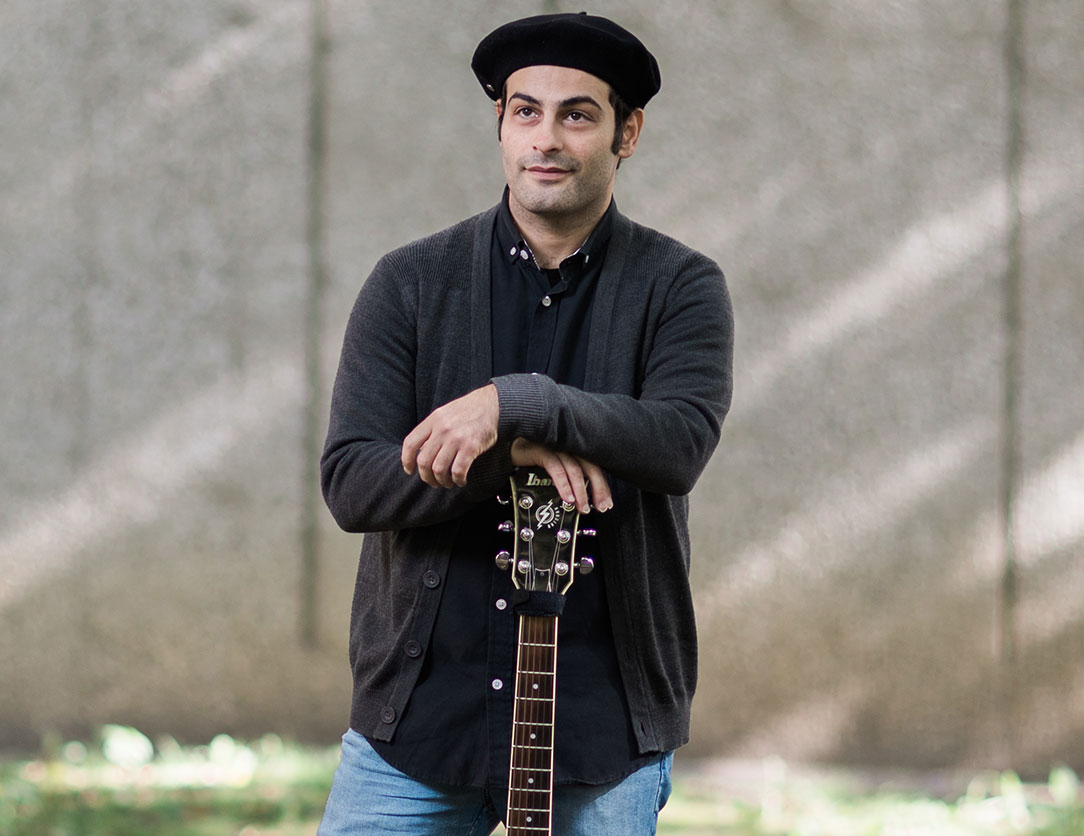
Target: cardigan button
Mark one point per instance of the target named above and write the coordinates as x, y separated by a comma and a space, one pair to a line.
387, 714
431, 579
413, 649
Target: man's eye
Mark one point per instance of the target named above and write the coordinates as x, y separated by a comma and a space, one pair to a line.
525, 111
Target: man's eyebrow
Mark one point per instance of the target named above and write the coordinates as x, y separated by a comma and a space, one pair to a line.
531, 100
573, 101
580, 100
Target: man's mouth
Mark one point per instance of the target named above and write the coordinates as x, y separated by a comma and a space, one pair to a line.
547, 172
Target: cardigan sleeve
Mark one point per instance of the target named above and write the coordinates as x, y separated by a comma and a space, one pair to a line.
661, 437
374, 404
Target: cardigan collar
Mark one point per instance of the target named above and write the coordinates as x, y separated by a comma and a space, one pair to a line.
481, 359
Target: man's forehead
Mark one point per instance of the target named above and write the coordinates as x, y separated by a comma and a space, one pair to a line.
548, 82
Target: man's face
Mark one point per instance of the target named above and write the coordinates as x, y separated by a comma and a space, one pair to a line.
557, 133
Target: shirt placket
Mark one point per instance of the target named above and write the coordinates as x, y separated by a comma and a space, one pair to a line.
500, 668
546, 313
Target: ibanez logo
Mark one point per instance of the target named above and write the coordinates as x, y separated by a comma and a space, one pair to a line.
534, 480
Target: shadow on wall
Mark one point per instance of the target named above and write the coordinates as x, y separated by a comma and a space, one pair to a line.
865, 614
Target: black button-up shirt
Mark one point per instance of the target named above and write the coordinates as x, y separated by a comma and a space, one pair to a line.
455, 729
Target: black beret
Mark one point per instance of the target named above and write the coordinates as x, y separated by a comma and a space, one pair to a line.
581, 41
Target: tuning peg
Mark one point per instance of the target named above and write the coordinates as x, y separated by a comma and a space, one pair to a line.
560, 568
503, 559
588, 532
523, 567
503, 500
586, 565
505, 527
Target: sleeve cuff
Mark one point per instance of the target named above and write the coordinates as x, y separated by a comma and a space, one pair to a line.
524, 406
490, 471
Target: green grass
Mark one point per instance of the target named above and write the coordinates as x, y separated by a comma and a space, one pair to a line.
122, 785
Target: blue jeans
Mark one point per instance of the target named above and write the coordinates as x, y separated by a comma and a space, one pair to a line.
369, 797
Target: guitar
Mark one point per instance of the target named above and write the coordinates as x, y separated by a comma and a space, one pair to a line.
543, 562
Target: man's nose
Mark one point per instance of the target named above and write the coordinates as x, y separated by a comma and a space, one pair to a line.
548, 137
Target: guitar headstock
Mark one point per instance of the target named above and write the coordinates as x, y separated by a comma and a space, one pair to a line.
545, 530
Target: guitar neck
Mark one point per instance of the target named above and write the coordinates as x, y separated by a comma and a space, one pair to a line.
530, 778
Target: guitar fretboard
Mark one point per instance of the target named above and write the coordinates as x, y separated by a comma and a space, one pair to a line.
530, 779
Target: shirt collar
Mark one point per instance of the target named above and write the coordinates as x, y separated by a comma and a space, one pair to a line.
515, 247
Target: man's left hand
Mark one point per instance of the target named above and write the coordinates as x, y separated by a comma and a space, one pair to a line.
443, 446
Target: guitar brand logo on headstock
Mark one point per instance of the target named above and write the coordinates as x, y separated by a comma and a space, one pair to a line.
546, 515
534, 480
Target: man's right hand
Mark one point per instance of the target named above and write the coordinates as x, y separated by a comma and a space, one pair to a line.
443, 446
568, 472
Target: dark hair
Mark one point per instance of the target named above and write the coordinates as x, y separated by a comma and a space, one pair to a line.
622, 112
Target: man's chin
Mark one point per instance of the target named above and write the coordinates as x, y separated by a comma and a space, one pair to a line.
544, 201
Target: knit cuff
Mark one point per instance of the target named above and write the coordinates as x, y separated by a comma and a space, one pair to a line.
489, 472
523, 405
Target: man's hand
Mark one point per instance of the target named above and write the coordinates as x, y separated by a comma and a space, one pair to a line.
443, 446
568, 473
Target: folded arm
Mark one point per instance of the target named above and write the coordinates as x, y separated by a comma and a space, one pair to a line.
660, 439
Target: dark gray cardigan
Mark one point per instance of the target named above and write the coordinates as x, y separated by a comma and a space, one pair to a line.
657, 387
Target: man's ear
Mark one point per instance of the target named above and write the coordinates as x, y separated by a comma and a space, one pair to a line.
499, 105
631, 133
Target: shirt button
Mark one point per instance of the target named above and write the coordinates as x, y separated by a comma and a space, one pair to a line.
496, 685
413, 649
502, 604
512, 251
523, 254
546, 301
431, 579
387, 714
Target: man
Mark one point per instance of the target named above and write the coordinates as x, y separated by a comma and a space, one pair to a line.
548, 331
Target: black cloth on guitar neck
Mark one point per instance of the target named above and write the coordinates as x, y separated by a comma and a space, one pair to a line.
538, 603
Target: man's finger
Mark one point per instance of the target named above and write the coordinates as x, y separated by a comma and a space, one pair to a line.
600, 487
412, 446
579, 482
460, 467
438, 459
568, 478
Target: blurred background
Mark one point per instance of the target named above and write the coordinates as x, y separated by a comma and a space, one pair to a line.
888, 543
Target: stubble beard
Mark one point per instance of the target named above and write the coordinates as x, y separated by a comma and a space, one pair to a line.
579, 193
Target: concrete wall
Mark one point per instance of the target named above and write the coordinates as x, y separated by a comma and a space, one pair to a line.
888, 541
